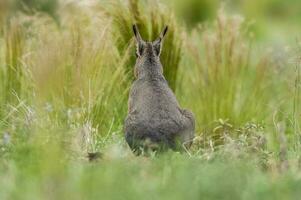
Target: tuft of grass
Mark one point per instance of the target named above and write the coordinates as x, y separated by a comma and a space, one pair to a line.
14, 74
77, 71
296, 99
230, 84
151, 17
14, 49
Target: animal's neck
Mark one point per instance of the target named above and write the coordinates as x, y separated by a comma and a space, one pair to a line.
151, 70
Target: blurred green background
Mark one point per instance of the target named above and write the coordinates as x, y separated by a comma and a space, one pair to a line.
272, 19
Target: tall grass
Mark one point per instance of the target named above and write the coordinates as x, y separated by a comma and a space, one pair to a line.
14, 43
151, 17
78, 71
296, 100
14, 76
230, 83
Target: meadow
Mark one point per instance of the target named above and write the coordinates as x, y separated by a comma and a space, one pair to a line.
65, 72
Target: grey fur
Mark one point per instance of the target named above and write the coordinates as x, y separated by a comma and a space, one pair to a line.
155, 120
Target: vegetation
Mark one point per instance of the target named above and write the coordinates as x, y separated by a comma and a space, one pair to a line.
65, 72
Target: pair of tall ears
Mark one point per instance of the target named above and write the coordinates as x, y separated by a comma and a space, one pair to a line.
157, 44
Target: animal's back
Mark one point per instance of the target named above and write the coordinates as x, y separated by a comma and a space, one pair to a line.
154, 100
154, 113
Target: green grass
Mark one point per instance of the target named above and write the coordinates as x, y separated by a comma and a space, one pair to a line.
151, 17
64, 89
32, 174
228, 81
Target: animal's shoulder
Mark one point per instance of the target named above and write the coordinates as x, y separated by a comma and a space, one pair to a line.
145, 83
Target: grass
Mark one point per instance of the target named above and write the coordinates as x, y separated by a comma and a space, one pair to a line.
230, 83
125, 13
64, 89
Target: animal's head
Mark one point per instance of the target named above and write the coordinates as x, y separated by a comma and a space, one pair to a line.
148, 53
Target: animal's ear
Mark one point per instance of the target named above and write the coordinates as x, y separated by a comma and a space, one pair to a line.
139, 41
136, 33
158, 42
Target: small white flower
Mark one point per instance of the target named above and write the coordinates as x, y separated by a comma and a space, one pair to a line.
48, 107
6, 138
